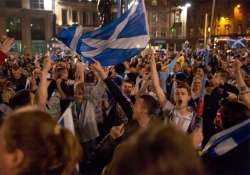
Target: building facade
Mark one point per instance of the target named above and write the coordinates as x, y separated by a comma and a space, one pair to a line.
231, 18
30, 26
167, 23
82, 12
33, 22
167, 20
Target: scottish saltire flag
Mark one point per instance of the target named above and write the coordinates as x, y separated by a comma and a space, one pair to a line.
227, 140
66, 120
200, 52
237, 43
113, 43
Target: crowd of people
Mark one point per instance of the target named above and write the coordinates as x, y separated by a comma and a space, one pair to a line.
184, 112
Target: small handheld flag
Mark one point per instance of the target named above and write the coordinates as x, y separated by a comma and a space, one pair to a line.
66, 120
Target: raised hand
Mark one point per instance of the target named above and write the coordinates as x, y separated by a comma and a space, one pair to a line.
117, 131
7, 44
47, 63
99, 69
237, 65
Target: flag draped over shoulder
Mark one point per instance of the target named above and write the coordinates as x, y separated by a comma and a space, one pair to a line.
66, 120
227, 140
113, 43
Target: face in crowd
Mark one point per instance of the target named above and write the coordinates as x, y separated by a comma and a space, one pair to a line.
200, 72
196, 85
182, 96
145, 105
16, 72
127, 88
177, 68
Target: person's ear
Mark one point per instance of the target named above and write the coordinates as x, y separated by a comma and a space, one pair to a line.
18, 158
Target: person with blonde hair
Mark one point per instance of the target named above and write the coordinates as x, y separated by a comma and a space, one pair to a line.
32, 143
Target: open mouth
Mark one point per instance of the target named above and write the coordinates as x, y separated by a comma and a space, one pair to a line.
179, 102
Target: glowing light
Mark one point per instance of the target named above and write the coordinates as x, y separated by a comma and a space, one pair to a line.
59, 23
209, 29
47, 4
187, 5
238, 6
7, 30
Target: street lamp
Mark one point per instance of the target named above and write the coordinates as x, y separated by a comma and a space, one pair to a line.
187, 5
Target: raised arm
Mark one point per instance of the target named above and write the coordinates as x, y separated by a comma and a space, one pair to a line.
42, 88
115, 90
80, 70
244, 90
156, 82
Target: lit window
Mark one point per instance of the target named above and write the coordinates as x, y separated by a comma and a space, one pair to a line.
37, 4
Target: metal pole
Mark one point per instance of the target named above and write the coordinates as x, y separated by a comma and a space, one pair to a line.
212, 18
205, 29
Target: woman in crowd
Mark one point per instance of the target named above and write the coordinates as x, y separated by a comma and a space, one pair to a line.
32, 143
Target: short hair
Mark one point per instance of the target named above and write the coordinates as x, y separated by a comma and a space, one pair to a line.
120, 69
128, 81
184, 85
150, 103
157, 150
20, 99
234, 113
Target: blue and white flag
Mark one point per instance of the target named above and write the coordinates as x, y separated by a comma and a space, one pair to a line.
113, 43
237, 43
227, 140
66, 120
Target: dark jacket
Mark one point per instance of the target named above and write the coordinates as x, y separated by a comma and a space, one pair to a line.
104, 150
212, 103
